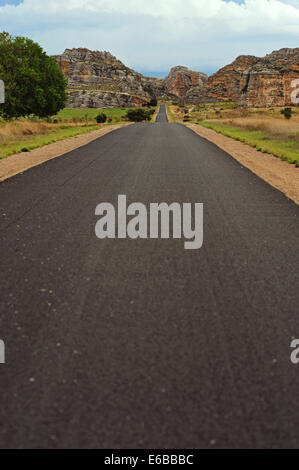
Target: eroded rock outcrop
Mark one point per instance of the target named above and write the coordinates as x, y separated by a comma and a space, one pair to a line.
98, 79
254, 81
103, 99
269, 81
182, 81
224, 85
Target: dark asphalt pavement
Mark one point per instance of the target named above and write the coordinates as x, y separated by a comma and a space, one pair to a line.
142, 344
162, 114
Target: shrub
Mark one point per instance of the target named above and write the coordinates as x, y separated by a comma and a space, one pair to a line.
287, 113
138, 115
101, 118
153, 102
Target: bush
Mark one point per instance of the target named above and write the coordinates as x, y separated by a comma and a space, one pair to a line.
138, 115
287, 113
153, 102
101, 118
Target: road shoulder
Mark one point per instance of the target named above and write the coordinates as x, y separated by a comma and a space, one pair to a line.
18, 163
279, 174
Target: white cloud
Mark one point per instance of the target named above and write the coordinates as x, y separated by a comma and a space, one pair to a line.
154, 35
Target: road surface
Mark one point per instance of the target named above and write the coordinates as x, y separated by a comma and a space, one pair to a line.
139, 343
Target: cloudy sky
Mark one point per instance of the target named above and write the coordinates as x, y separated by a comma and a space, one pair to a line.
153, 35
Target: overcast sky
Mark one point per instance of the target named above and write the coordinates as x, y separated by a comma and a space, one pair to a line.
153, 35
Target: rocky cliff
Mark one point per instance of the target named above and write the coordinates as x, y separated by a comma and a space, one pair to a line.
269, 81
254, 81
182, 81
98, 79
224, 85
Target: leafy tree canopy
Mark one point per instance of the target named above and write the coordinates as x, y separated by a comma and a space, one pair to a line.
33, 81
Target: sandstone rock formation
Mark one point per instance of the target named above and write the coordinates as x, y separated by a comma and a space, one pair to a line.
224, 85
182, 81
103, 99
269, 81
106, 81
154, 86
98, 79
254, 81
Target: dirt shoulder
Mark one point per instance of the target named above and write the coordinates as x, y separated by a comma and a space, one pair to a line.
168, 113
18, 163
277, 173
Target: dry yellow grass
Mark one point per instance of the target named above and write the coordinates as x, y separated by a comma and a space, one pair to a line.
24, 135
20, 128
279, 127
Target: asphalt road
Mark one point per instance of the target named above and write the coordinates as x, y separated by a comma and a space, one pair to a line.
140, 343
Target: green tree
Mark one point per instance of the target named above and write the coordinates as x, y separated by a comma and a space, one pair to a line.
33, 81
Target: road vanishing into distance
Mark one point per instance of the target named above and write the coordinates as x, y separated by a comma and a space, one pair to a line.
123, 343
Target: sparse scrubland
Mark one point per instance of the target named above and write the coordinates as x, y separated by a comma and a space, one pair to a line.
265, 129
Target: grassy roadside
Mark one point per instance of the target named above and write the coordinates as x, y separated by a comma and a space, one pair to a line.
171, 116
114, 115
48, 136
23, 135
81, 115
264, 129
287, 150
